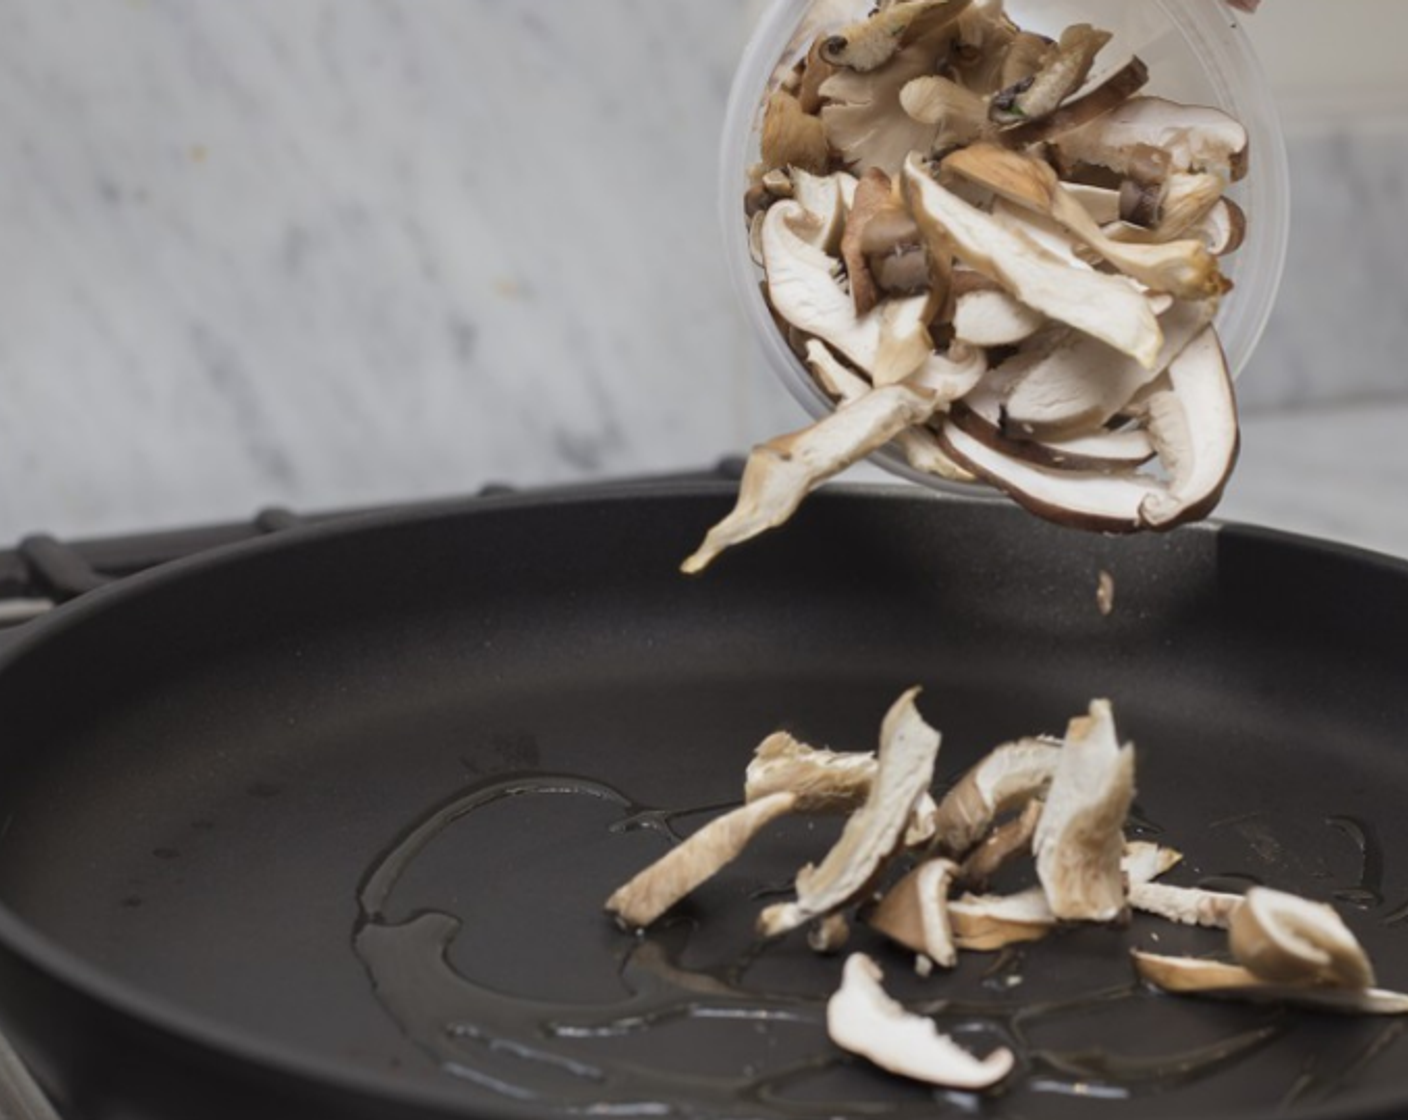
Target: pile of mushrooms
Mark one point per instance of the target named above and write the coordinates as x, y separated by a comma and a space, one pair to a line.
1004, 266
917, 869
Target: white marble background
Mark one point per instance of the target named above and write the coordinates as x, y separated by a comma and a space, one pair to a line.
337, 252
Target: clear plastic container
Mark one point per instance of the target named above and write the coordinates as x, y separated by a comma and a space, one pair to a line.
1197, 53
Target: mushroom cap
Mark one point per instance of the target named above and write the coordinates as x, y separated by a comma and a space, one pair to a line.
1192, 976
863, 1019
1282, 938
1195, 137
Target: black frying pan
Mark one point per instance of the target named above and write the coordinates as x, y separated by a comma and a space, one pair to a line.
321, 827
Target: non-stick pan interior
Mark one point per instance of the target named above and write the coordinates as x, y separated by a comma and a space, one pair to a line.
273, 789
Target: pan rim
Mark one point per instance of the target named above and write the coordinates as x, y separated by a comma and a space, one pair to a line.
225, 1042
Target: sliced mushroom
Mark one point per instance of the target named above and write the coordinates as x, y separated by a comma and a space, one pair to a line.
1102, 502
1026, 55
792, 138
1184, 269
905, 342
1003, 844
1105, 307
830, 935
919, 446
1078, 384
1196, 139
823, 197
781, 473
1194, 426
815, 73
1192, 976
865, 121
1114, 91
1080, 841
872, 197
1101, 203
1004, 781
994, 318
957, 114
1144, 862
1284, 939
803, 290
1184, 203
991, 923
819, 781
1105, 452
914, 912
825, 782
863, 1020
985, 35
1064, 70
873, 42
1185, 905
909, 748
690, 865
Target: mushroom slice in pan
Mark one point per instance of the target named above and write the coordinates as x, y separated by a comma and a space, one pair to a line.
691, 864
863, 1019
1075, 385
873, 42
1005, 780
990, 923
1105, 307
1186, 906
909, 748
919, 446
1080, 841
914, 912
1192, 976
994, 318
1194, 426
1144, 862
1003, 844
1182, 268
820, 781
1122, 84
1196, 139
781, 473
1101, 502
1284, 939
1064, 71
825, 782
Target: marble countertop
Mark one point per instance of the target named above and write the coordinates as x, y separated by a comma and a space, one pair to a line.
332, 253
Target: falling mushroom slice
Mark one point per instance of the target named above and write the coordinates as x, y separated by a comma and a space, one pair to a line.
908, 750
780, 474
1006, 780
1185, 905
919, 446
698, 859
1080, 841
1105, 307
1284, 939
991, 923
873, 42
1194, 426
1197, 139
914, 912
862, 1019
1004, 844
1192, 976
1182, 268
